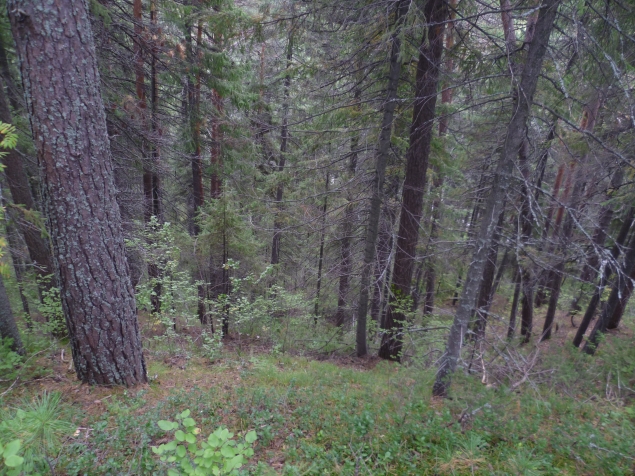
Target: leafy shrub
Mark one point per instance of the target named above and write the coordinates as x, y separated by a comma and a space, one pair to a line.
9, 360
218, 455
12, 461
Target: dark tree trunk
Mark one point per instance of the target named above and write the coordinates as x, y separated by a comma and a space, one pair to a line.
556, 275
516, 132
284, 145
56, 51
346, 258
8, 326
618, 312
597, 295
424, 112
18, 266
18, 181
437, 181
622, 286
383, 150
321, 254
485, 294
511, 329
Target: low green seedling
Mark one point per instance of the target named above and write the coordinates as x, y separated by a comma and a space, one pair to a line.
12, 462
219, 454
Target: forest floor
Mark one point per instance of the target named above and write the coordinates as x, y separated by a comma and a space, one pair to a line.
562, 413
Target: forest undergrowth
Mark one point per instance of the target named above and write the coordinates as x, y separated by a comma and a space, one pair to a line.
530, 410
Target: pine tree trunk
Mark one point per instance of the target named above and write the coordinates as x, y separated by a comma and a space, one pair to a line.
284, 144
417, 158
56, 50
516, 132
597, 295
383, 150
622, 286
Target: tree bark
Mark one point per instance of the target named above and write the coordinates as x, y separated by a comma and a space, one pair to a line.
383, 150
620, 289
57, 54
284, 144
516, 132
597, 295
417, 158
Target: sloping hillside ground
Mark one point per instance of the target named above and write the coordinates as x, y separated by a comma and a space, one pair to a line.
566, 414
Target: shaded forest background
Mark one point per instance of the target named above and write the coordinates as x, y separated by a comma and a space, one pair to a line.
445, 184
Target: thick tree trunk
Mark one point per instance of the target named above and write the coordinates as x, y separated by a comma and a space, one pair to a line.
39, 249
284, 144
597, 295
55, 46
424, 113
516, 133
383, 150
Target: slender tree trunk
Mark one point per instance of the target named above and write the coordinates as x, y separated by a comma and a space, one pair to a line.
346, 263
284, 144
620, 289
321, 254
511, 329
424, 113
597, 295
39, 249
616, 316
485, 295
437, 181
152, 189
8, 326
516, 133
383, 150
18, 265
56, 51
383, 249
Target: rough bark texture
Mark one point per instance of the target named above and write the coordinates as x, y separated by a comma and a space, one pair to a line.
516, 132
62, 88
39, 249
383, 150
424, 112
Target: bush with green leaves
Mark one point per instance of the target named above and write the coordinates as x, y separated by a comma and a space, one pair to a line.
51, 307
11, 460
219, 454
9, 360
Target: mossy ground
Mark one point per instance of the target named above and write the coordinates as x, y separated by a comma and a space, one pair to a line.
350, 416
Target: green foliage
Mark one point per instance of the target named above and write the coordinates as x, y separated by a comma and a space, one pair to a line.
9, 138
11, 460
9, 360
218, 455
40, 425
51, 307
